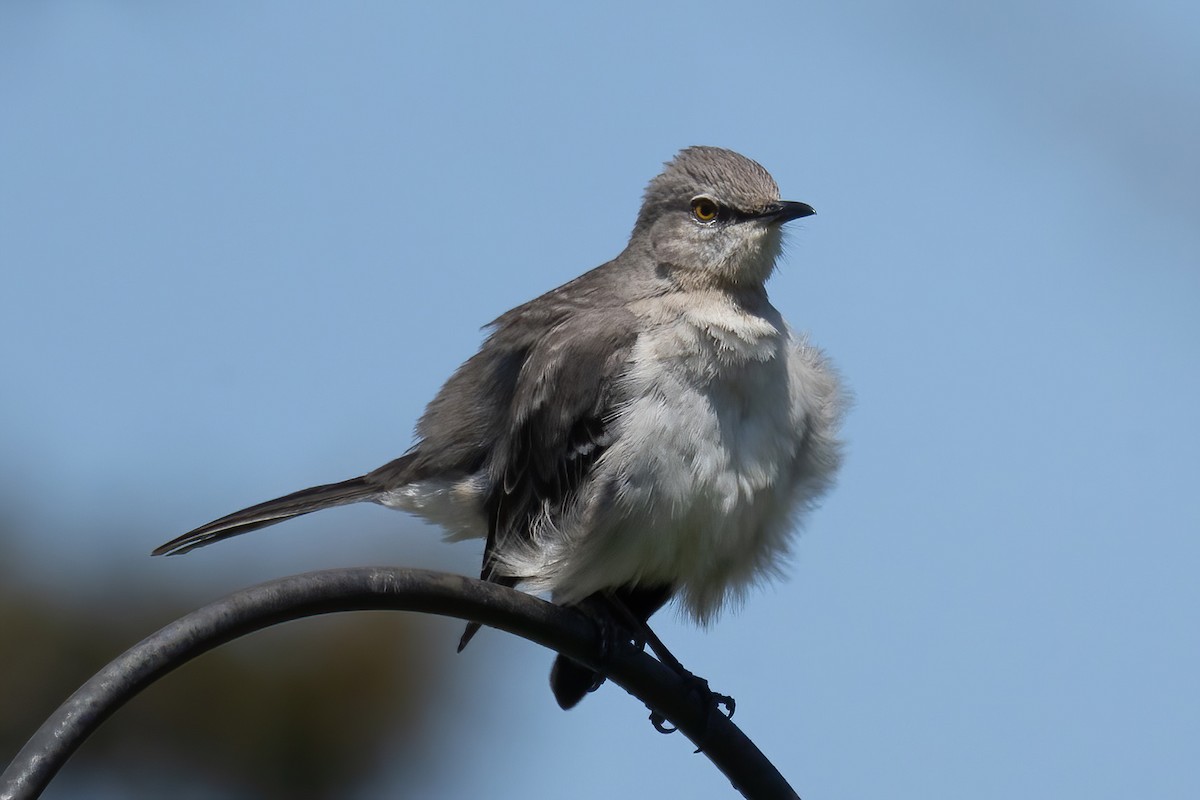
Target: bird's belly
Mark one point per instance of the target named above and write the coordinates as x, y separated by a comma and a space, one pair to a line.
698, 484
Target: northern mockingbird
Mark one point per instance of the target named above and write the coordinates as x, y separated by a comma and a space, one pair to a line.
651, 430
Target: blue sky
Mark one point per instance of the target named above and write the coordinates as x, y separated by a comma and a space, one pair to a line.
243, 244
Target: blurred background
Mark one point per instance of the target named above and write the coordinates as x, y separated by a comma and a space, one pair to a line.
243, 244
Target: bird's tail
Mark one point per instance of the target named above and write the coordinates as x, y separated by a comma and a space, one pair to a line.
249, 519
571, 681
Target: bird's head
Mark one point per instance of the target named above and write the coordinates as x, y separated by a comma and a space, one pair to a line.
713, 218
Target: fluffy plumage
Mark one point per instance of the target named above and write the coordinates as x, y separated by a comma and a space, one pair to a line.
652, 429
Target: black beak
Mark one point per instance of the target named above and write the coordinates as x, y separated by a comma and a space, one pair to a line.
786, 211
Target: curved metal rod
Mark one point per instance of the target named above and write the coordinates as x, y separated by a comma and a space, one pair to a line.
385, 588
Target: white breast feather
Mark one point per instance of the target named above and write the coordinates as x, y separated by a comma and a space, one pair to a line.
729, 433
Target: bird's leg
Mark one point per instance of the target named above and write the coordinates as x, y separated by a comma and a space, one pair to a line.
620, 616
644, 635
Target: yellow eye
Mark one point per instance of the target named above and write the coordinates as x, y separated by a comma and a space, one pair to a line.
704, 209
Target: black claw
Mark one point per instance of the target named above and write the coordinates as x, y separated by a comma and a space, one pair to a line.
711, 700
660, 723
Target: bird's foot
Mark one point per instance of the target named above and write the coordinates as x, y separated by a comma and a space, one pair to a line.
713, 702
612, 632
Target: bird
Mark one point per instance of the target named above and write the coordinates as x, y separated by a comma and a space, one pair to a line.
650, 431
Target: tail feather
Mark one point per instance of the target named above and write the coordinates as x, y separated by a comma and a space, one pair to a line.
570, 682
489, 574
258, 516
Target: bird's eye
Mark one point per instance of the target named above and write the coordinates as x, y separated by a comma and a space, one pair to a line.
705, 210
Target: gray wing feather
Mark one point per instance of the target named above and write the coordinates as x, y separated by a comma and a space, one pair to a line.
556, 424
559, 424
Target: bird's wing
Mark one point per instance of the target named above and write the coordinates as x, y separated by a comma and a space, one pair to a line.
559, 420
558, 423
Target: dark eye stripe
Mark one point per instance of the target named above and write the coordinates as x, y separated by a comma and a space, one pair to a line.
736, 215
728, 215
